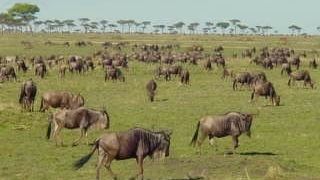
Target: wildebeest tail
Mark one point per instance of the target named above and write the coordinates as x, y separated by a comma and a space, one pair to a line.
78, 164
21, 95
49, 126
195, 136
41, 104
234, 84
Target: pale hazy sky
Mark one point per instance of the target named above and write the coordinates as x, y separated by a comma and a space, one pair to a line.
276, 13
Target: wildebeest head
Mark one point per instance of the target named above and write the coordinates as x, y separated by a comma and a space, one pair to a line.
164, 143
104, 122
77, 101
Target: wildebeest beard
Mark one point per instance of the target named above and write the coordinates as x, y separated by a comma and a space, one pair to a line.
152, 143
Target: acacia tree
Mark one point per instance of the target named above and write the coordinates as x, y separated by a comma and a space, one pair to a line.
223, 26
208, 27
84, 24
179, 25
234, 23
103, 25
145, 24
24, 13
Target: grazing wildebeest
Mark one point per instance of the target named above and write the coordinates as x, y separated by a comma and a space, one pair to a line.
27, 95
22, 66
40, 69
8, 72
227, 73
163, 71
61, 99
243, 78
135, 143
313, 64
82, 118
266, 89
114, 74
175, 69
295, 61
62, 71
230, 124
185, 77
207, 65
151, 89
286, 67
302, 75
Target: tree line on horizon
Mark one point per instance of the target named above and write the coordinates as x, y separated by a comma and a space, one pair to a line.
21, 18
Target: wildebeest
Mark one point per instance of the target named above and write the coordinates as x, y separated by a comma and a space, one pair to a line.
242, 78
286, 67
27, 94
82, 118
61, 99
22, 66
266, 89
313, 64
175, 69
230, 124
207, 65
8, 72
185, 77
151, 89
40, 70
114, 74
227, 73
163, 71
62, 71
295, 61
302, 75
135, 143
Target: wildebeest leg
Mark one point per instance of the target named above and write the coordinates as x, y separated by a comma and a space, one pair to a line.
212, 142
235, 143
140, 164
56, 132
108, 161
200, 140
75, 143
86, 136
101, 161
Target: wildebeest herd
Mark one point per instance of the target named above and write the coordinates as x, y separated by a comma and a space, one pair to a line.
139, 143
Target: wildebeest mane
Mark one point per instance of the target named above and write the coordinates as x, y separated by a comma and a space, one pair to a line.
150, 141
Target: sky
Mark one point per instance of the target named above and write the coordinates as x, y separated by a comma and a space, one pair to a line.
276, 13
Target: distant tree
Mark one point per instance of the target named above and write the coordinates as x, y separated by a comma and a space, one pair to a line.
253, 30
295, 28
223, 26
137, 25
242, 28
84, 24
179, 25
103, 25
259, 28
266, 29
4, 18
162, 27
24, 13
130, 23
156, 28
234, 23
70, 24
145, 24
112, 27
193, 27
318, 28
122, 23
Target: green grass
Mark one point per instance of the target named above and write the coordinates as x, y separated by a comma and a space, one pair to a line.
290, 131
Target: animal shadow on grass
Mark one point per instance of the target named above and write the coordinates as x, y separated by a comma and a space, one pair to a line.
161, 100
257, 153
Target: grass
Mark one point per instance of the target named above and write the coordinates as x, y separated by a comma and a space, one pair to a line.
284, 143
